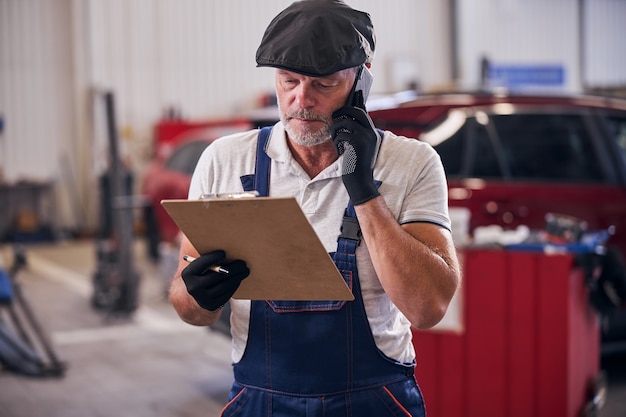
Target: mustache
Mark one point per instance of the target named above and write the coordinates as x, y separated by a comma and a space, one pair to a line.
307, 115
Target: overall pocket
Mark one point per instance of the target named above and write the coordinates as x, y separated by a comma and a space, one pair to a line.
400, 399
313, 305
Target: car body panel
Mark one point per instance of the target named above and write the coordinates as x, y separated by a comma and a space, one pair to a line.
507, 200
512, 204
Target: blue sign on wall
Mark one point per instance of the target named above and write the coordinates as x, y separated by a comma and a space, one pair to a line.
520, 76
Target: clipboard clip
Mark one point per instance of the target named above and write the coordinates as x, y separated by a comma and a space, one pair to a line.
351, 229
245, 194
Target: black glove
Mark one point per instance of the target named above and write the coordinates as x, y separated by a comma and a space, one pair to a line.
211, 289
354, 134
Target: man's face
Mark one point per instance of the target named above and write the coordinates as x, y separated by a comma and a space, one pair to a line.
306, 104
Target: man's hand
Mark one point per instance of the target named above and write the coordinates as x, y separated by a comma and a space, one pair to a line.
211, 289
355, 136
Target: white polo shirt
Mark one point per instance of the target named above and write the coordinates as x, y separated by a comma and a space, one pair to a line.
413, 186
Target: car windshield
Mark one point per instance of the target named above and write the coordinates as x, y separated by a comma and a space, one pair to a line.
517, 147
185, 158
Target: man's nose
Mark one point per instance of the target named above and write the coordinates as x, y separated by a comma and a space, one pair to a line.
305, 96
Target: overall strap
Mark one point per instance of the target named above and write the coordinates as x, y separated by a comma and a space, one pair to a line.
262, 167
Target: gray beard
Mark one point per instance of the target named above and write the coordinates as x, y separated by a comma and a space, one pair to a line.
310, 138
307, 137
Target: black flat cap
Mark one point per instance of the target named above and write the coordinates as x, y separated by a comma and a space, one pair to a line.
317, 38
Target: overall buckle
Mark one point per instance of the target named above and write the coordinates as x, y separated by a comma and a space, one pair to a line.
350, 229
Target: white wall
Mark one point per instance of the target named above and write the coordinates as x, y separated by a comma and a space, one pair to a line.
587, 41
36, 92
515, 32
604, 62
57, 56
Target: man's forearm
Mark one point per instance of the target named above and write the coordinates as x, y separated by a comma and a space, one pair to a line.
187, 308
416, 263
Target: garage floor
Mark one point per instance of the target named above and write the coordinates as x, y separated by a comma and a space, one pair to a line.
151, 364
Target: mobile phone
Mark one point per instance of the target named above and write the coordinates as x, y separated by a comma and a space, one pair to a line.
361, 88
358, 97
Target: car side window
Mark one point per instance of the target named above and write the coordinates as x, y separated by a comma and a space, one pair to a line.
617, 128
464, 146
469, 152
485, 158
452, 151
553, 147
185, 158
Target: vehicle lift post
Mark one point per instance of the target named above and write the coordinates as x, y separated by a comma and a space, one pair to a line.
116, 280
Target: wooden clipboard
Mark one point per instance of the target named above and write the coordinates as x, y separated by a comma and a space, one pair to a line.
287, 260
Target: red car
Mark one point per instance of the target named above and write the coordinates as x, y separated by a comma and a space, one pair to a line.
511, 160
169, 178
169, 174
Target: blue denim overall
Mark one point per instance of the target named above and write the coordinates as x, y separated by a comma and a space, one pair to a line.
317, 358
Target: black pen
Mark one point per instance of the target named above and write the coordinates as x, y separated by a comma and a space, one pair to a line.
215, 268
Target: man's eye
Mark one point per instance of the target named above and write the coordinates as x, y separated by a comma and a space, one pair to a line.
325, 86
